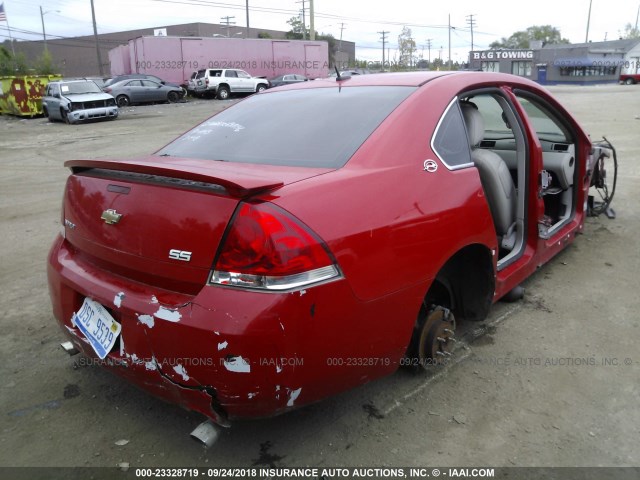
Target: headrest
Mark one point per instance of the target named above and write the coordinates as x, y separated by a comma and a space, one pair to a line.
474, 121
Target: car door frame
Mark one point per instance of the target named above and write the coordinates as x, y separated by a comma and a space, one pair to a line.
53, 100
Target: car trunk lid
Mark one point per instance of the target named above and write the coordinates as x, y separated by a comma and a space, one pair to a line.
160, 220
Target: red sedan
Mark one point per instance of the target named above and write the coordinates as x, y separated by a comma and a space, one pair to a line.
315, 237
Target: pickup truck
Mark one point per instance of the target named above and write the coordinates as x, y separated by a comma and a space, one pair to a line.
223, 82
629, 78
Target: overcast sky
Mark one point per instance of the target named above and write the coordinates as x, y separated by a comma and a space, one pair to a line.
362, 19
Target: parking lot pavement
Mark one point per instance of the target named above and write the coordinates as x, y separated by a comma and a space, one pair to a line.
551, 380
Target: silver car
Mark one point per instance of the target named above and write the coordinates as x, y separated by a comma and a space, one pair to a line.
75, 101
130, 91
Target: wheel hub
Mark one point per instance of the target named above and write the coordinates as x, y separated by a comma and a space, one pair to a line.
437, 336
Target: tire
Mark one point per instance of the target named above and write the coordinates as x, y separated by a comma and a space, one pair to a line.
629, 81
45, 112
122, 100
261, 88
65, 117
223, 93
173, 97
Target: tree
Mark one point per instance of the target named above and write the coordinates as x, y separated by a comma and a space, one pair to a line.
523, 38
44, 64
13, 64
296, 33
631, 32
298, 29
406, 47
264, 35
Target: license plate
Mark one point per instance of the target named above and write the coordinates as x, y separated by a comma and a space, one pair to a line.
98, 326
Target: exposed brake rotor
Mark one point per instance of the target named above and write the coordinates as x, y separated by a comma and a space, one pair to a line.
436, 337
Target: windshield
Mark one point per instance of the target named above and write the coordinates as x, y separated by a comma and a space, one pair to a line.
319, 127
79, 87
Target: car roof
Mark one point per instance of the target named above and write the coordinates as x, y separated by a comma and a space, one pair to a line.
413, 79
75, 80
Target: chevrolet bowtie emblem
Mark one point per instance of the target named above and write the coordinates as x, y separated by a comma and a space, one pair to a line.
111, 217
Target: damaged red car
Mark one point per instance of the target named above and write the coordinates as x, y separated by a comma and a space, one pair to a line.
316, 237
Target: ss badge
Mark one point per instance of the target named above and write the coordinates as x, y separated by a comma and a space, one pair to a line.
181, 255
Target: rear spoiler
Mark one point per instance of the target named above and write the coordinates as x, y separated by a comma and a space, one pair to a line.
236, 179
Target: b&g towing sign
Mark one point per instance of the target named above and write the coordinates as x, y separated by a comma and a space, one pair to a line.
502, 55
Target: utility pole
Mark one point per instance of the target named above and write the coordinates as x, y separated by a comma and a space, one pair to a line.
304, 20
586, 40
246, 33
429, 47
384, 42
472, 22
312, 21
227, 21
95, 36
637, 15
340, 44
449, 61
44, 35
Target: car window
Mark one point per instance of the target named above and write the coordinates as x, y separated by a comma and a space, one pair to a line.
319, 127
133, 83
495, 125
243, 74
77, 88
287, 78
450, 142
231, 73
200, 73
545, 124
149, 83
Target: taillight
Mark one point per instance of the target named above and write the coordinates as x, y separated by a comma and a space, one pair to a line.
266, 248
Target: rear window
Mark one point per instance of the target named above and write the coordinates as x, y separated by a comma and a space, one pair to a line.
320, 127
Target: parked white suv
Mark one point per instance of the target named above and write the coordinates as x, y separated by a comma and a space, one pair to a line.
223, 82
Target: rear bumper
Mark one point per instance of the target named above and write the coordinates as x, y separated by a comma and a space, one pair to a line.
230, 353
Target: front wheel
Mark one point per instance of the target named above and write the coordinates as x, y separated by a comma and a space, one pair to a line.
173, 97
65, 116
122, 100
261, 88
629, 81
223, 93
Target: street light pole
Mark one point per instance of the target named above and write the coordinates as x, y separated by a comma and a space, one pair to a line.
95, 36
586, 40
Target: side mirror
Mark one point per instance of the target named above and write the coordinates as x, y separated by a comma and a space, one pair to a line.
161, 85
162, 82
